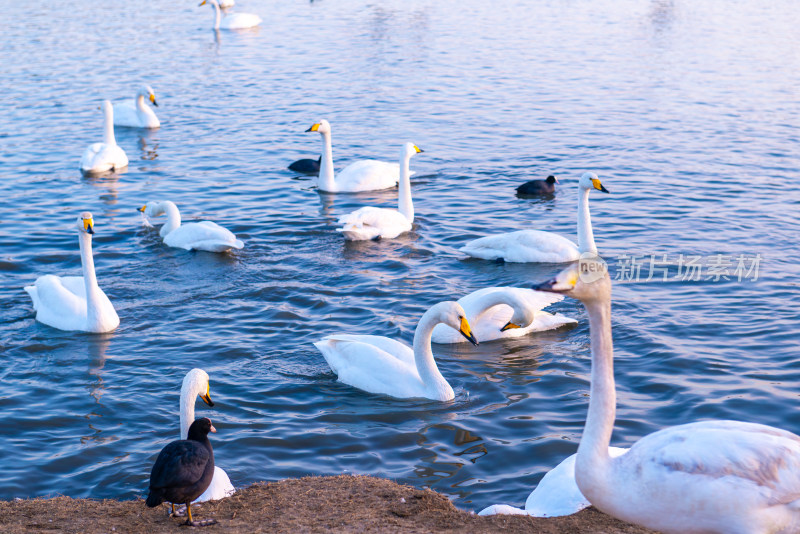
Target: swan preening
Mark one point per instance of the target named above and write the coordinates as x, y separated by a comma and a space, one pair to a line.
204, 235
105, 156
544, 247
195, 384
373, 223
75, 302
381, 365
363, 175
137, 114
711, 476
503, 312
231, 21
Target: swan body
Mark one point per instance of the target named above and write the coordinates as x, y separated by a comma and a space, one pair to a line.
108, 155
363, 175
535, 246
195, 384
205, 235
719, 476
373, 223
232, 21
75, 302
378, 364
503, 312
136, 113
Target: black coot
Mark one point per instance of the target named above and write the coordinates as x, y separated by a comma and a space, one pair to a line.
306, 166
183, 470
539, 187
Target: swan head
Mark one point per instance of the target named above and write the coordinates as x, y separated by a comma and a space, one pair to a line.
196, 383
523, 315
453, 315
587, 280
152, 209
409, 149
108, 109
85, 223
211, 2
147, 92
322, 127
589, 180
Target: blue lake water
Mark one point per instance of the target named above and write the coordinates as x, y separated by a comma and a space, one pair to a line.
687, 111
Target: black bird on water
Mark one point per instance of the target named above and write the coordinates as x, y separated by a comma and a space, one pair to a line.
539, 187
306, 166
183, 470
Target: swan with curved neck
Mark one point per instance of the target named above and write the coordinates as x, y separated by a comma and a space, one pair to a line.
363, 175
75, 302
232, 21
382, 365
525, 246
137, 114
706, 477
204, 235
105, 156
195, 384
504, 312
373, 223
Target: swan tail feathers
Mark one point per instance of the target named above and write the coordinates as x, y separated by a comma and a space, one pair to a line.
31, 290
502, 509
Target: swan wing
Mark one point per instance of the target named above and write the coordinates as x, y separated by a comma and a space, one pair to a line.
102, 157
368, 175
219, 488
90, 160
238, 21
125, 114
205, 235
523, 246
59, 304
370, 222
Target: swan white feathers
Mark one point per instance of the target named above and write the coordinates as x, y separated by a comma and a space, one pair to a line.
503, 312
232, 21
372, 223
75, 302
108, 155
136, 113
711, 476
362, 175
531, 246
378, 364
204, 235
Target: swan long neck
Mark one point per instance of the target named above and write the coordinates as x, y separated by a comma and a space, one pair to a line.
404, 204
593, 458
216, 14
187, 410
423, 356
108, 126
173, 217
140, 105
325, 181
585, 234
89, 280
488, 301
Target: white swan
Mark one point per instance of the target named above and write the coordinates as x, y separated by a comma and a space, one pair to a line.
381, 365
75, 302
503, 312
204, 235
136, 113
363, 175
195, 384
232, 21
225, 4
105, 156
372, 223
525, 246
711, 476
556, 495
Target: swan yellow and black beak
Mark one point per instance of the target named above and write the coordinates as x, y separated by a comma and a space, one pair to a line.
563, 282
142, 208
597, 185
314, 128
207, 397
202, 3
153, 99
509, 325
88, 225
466, 331
418, 149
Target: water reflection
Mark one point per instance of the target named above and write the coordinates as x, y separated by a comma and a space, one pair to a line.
97, 346
108, 181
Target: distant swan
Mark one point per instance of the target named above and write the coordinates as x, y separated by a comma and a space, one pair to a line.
105, 156
75, 302
362, 175
539, 187
232, 21
705, 477
503, 312
136, 113
537, 246
372, 223
205, 235
378, 364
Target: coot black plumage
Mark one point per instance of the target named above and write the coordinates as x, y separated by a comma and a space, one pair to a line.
183, 470
306, 166
539, 187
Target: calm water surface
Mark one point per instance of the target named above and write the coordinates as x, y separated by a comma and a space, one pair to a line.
687, 112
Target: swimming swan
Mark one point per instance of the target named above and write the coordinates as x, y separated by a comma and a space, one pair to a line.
137, 114
75, 302
195, 384
232, 21
503, 312
371, 223
363, 175
537, 246
711, 476
204, 235
105, 156
378, 364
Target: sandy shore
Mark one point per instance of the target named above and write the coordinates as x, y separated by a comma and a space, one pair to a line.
311, 504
